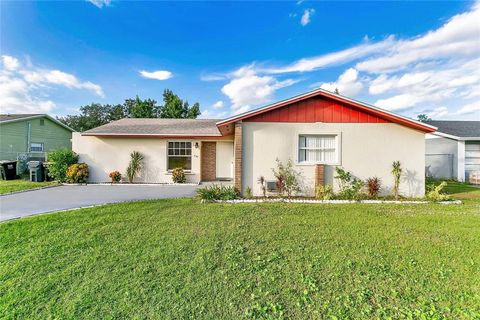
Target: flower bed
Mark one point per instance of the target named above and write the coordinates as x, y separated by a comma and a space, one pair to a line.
314, 201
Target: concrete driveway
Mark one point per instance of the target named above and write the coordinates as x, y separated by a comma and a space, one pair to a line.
69, 197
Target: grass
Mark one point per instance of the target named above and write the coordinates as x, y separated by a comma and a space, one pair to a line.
459, 190
7, 186
176, 259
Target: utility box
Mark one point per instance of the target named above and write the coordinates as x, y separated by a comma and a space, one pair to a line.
9, 169
36, 171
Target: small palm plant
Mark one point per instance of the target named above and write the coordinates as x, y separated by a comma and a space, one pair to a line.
135, 165
397, 173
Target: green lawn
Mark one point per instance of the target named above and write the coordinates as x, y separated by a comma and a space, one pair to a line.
177, 259
460, 190
7, 186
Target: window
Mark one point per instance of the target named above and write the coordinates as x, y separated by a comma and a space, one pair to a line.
179, 155
42, 122
36, 147
318, 149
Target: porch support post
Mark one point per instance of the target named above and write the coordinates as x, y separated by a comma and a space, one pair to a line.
461, 161
238, 147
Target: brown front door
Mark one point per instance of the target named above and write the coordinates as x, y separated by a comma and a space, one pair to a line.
208, 161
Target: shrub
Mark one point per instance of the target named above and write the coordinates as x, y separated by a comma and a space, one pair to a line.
77, 173
435, 193
59, 161
324, 192
287, 178
263, 185
178, 175
115, 176
350, 186
135, 165
217, 192
373, 186
397, 173
248, 193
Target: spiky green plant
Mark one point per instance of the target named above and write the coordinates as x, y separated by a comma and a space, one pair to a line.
397, 173
135, 165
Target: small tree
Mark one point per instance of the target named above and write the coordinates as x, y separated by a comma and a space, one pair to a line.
287, 178
350, 186
135, 165
59, 161
423, 117
397, 173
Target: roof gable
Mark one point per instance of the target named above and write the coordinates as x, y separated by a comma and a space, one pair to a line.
323, 106
8, 118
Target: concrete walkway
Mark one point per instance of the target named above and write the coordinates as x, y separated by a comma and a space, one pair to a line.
70, 197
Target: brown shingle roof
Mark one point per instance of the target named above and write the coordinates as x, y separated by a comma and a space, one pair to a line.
157, 127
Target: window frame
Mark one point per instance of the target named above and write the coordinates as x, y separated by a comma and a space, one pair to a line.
186, 156
338, 149
40, 143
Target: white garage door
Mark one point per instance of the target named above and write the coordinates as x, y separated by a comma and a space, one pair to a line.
472, 159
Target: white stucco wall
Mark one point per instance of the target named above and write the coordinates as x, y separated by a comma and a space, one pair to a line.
104, 155
366, 150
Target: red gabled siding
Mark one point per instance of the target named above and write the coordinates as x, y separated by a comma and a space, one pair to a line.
317, 109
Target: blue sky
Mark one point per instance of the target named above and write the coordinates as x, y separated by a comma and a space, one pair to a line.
408, 57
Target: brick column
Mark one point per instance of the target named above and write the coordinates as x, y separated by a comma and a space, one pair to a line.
238, 145
319, 175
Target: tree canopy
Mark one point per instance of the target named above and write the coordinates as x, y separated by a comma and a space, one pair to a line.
423, 117
96, 114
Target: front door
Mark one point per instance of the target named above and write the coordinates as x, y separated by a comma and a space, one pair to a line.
208, 160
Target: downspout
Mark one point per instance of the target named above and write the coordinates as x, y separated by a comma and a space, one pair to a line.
29, 131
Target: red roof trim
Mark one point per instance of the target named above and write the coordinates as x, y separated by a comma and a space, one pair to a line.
320, 92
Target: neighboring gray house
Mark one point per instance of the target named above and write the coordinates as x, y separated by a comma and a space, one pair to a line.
453, 151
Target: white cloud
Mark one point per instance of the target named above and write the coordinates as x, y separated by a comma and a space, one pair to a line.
247, 88
157, 75
439, 69
41, 77
398, 102
470, 108
437, 113
459, 37
332, 59
10, 63
213, 77
347, 84
218, 105
100, 3
208, 114
306, 16
25, 88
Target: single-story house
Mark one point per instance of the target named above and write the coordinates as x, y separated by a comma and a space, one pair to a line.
31, 134
318, 131
453, 151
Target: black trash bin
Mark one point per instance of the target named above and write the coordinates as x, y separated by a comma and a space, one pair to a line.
45, 172
10, 169
36, 171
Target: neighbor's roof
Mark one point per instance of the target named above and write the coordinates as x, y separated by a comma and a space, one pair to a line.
129, 127
7, 118
385, 114
460, 130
